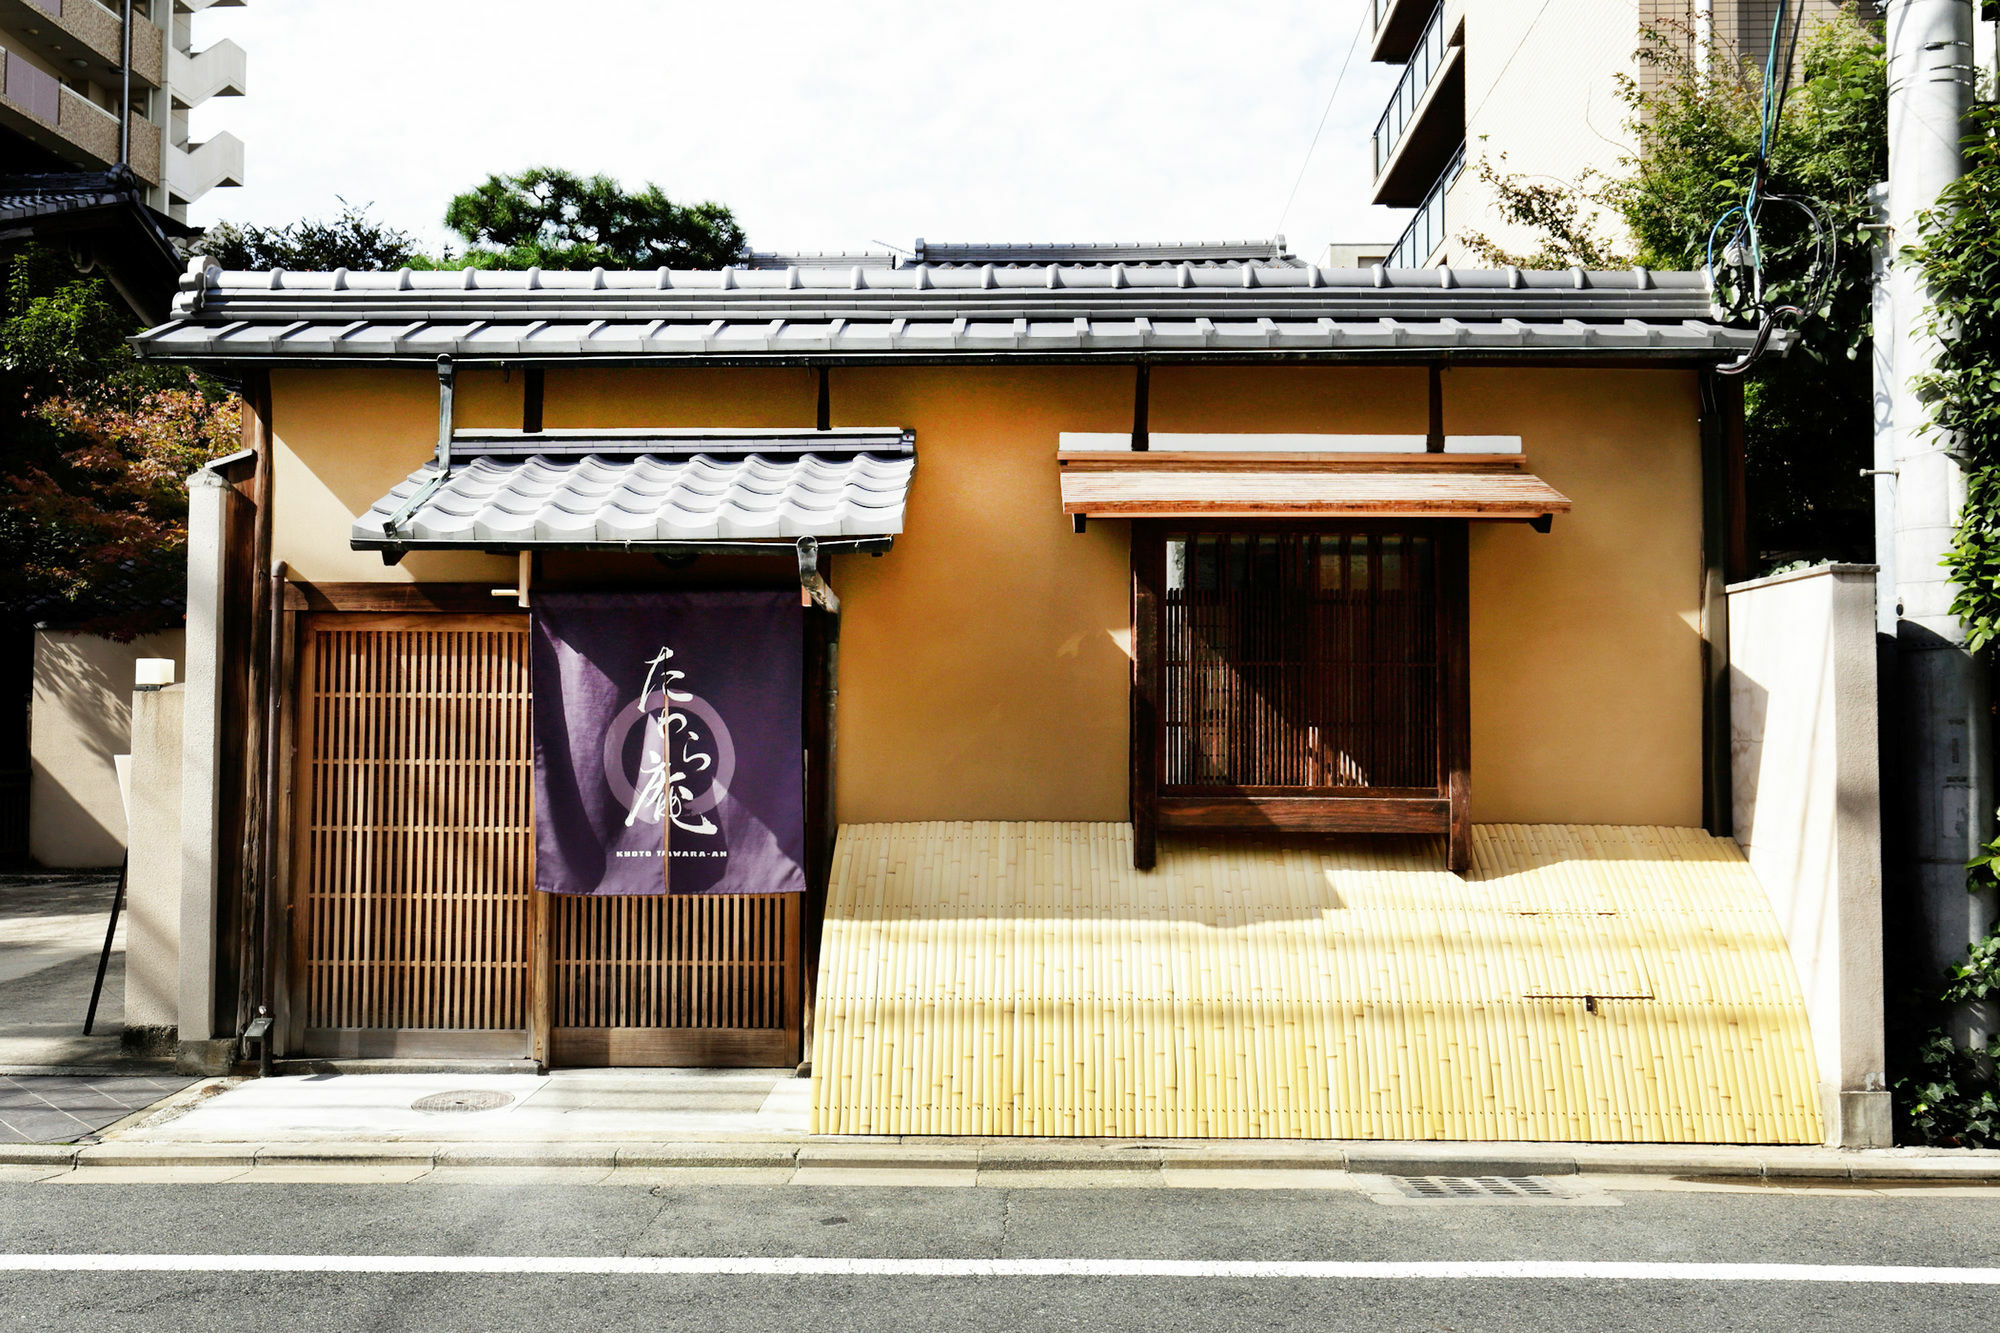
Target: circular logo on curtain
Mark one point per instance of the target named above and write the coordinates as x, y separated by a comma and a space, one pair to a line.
681, 773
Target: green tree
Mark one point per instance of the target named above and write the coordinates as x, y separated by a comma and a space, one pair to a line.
549, 218
1959, 256
1810, 414
98, 448
350, 240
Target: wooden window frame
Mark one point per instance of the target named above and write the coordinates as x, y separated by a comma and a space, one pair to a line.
1445, 809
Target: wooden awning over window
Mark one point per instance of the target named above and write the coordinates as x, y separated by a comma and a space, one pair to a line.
1185, 484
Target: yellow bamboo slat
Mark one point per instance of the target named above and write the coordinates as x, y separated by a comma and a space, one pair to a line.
1581, 983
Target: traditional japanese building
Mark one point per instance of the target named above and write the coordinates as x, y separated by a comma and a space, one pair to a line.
1166, 690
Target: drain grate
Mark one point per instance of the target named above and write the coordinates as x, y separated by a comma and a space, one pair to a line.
446, 1103
1473, 1187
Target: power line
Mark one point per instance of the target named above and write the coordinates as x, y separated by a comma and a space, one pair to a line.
1509, 63
1339, 79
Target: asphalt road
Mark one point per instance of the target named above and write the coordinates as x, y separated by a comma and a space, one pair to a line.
429, 1223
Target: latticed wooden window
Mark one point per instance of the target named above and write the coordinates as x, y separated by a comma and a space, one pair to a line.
1299, 662
1307, 677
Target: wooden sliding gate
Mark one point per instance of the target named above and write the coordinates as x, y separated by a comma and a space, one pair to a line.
416, 930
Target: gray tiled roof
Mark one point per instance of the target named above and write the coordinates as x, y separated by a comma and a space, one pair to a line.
1013, 254
991, 312
962, 254
623, 493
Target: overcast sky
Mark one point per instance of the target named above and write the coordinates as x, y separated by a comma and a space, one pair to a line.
828, 125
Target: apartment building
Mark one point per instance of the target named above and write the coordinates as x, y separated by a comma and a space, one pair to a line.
64, 83
95, 150
1531, 86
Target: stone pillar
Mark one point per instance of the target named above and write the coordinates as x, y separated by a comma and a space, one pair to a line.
202, 1049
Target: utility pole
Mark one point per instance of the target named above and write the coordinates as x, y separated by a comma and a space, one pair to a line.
1937, 723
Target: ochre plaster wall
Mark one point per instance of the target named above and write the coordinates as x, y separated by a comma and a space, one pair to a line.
1586, 641
985, 659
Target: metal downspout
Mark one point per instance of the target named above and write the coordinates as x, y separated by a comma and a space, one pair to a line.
447, 377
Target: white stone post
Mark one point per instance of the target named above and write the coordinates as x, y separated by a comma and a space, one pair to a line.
201, 756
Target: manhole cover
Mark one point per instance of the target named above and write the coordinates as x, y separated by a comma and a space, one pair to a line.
447, 1102
1473, 1187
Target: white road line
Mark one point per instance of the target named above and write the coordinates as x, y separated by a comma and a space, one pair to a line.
803, 1266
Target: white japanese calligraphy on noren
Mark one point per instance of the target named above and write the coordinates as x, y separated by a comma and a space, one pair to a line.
663, 791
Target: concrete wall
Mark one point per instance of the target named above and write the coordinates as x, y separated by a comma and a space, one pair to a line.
80, 717
985, 660
1805, 784
1553, 130
1541, 100
153, 882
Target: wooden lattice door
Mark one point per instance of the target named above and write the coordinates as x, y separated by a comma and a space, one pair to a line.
412, 906
675, 980
416, 928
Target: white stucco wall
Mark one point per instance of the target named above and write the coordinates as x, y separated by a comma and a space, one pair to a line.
80, 717
1806, 802
153, 881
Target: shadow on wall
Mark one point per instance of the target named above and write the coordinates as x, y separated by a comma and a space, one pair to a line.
81, 717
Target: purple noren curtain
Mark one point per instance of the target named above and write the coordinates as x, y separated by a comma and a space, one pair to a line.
668, 742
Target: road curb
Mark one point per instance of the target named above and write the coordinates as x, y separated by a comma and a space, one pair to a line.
1003, 1158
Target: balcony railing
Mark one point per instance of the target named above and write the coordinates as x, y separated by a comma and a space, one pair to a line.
1426, 232
1424, 63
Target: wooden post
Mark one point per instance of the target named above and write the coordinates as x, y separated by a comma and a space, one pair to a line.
1736, 515
541, 979
263, 931
1142, 392
1721, 542
253, 886
278, 931
1434, 430
1148, 574
822, 627
1455, 691
532, 389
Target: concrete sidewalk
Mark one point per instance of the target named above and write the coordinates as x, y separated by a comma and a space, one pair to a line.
756, 1121
51, 932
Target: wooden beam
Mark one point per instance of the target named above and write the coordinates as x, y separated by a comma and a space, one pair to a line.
459, 598
1245, 460
1308, 814
1236, 494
